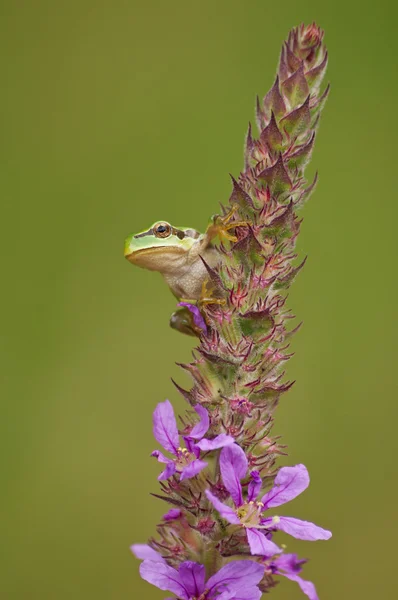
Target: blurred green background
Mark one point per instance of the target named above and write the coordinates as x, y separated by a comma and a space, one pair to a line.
117, 114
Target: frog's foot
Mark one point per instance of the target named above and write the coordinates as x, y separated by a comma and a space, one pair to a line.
206, 296
222, 225
183, 320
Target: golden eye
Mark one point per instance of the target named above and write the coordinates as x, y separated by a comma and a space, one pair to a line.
162, 230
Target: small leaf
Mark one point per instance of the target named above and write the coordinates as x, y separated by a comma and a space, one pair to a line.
291, 59
318, 106
286, 281
271, 136
301, 157
216, 359
260, 116
276, 177
283, 69
270, 391
170, 500
315, 75
213, 275
184, 393
295, 88
274, 102
305, 194
249, 146
288, 334
218, 368
292, 40
256, 324
284, 224
240, 197
250, 249
298, 120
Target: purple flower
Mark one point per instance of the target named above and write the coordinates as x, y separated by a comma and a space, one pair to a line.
197, 315
186, 461
145, 552
237, 580
289, 483
172, 515
289, 566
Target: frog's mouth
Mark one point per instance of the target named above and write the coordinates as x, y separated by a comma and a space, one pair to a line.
131, 255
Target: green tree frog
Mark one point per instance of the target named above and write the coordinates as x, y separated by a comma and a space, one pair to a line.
177, 253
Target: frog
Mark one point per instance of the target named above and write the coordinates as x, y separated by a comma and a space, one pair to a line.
181, 254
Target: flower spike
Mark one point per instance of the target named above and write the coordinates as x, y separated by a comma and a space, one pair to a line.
220, 477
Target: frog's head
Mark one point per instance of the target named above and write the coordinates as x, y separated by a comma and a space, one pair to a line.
159, 246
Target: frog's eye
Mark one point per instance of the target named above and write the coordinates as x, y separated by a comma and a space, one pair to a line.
162, 230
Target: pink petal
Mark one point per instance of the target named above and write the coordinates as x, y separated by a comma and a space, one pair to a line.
233, 466
252, 593
161, 457
163, 577
289, 562
172, 515
145, 552
197, 315
192, 575
191, 446
170, 468
168, 472
306, 586
200, 428
225, 511
254, 486
259, 544
220, 441
302, 530
238, 575
165, 427
192, 469
289, 483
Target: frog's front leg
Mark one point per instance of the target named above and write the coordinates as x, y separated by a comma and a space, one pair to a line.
207, 295
220, 226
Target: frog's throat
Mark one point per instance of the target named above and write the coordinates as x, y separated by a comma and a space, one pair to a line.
136, 255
